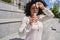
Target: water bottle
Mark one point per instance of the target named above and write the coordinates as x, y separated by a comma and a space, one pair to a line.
34, 24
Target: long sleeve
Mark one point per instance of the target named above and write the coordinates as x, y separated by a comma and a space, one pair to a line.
22, 33
23, 25
48, 12
48, 15
24, 28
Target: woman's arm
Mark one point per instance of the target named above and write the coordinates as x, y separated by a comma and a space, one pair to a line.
48, 12
48, 15
21, 29
24, 28
23, 25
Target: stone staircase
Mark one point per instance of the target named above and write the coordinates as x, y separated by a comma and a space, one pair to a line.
10, 21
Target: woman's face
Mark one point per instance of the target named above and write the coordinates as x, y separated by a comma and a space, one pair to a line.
34, 9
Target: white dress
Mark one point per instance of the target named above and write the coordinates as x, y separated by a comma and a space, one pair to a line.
34, 31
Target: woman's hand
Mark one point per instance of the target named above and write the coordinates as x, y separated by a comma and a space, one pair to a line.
33, 19
40, 5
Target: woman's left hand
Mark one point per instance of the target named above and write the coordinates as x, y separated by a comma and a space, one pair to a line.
40, 5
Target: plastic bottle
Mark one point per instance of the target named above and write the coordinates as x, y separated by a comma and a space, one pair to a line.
35, 24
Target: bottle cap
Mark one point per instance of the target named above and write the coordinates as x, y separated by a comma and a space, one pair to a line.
35, 14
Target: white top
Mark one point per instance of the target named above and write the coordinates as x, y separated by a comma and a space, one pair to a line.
25, 22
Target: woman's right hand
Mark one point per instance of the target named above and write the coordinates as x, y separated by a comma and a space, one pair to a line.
33, 19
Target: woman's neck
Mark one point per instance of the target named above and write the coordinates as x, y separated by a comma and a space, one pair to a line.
31, 16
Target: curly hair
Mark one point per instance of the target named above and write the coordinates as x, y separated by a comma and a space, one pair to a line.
28, 6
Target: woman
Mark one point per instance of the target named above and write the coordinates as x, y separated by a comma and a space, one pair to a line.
32, 26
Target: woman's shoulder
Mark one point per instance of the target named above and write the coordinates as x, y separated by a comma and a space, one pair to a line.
41, 16
25, 17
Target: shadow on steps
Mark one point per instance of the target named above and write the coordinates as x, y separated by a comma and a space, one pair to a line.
16, 39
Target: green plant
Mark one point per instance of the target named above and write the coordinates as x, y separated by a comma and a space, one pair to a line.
8, 1
55, 10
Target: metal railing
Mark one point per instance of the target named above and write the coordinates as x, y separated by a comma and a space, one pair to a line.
10, 11
10, 22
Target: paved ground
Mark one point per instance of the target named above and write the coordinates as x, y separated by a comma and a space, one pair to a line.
14, 36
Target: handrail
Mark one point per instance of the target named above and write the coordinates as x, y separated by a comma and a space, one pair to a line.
5, 21
11, 11
10, 22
